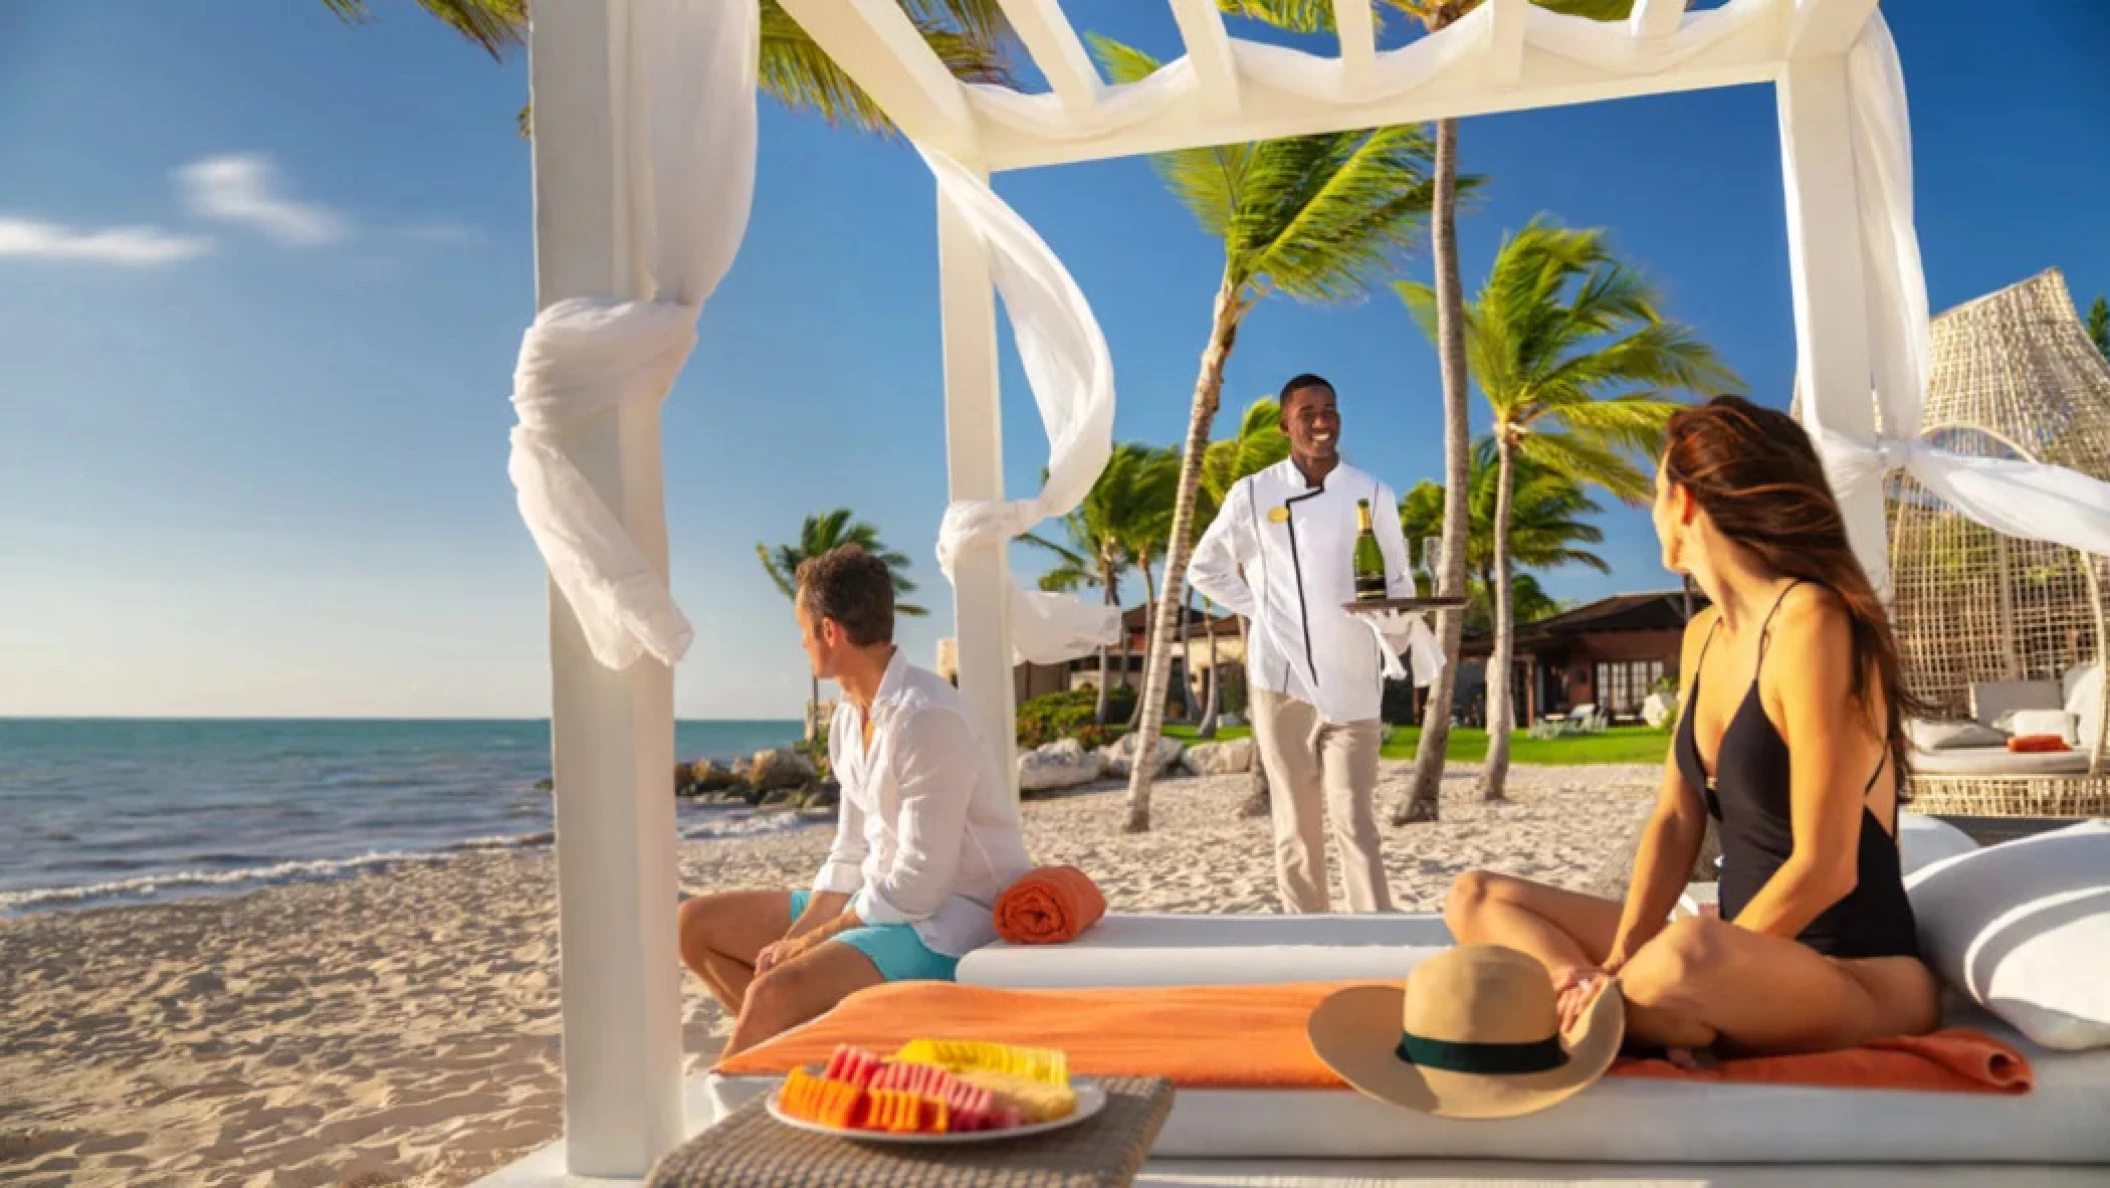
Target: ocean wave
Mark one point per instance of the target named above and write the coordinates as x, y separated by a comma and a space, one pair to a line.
149, 886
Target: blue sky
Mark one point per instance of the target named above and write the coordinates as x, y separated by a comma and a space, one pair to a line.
252, 458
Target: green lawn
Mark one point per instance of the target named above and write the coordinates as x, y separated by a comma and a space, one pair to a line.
1620, 744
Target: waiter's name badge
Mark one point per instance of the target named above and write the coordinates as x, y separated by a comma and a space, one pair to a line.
1278, 515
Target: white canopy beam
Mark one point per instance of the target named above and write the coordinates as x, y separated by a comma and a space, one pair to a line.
1835, 362
1357, 22
1656, 18
1229, 107
1057, 50
877, 45
974, 464
1819, 28
1505, 40
1209, 50
612, 732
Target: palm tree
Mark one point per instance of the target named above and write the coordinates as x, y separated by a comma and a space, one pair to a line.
823, 533
1312, 218
1573, 357
1545, 528
2099, 325
1096, 549
1419, 804
970, 36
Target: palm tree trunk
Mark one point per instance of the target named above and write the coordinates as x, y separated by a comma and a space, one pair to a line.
1420, 802
813, 712
1208, 393
1501, 714
1150, 634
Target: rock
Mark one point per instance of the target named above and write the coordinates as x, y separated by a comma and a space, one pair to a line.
1121, 756
776, 796
826, 794
781, 768
1063, 763
684, 780
545, 784
709, 776
742, 769
1222, 758
1657, 708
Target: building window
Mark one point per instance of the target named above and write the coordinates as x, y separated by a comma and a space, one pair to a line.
1622, 685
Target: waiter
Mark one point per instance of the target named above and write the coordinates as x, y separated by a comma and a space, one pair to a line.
1281, 553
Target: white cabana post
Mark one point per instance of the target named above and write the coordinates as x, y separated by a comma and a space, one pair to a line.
644, 156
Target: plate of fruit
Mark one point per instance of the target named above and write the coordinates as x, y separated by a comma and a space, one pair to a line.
937, 1091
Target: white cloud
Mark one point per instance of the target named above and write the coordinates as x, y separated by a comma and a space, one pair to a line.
245, 188
131, 246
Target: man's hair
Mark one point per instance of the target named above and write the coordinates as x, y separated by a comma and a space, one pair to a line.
1300, 382
855, 589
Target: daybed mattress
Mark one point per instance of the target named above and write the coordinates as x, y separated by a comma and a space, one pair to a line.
1177, 950
1640, 1120
1998, 761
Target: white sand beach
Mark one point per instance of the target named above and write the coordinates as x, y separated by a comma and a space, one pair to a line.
401, 1028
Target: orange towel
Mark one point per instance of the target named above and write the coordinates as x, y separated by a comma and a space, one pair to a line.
1954, 1060
1252, 1037
2027, 744
1048, 906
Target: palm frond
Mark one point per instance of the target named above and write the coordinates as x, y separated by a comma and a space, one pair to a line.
1210, 182
1296, 16
969, 36
1323, 217
1591, 462
494, 25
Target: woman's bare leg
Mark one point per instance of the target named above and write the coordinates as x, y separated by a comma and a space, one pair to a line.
1560, 928
1703, 981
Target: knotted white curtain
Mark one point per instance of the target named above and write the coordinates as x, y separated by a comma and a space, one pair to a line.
2026, 500
694, 103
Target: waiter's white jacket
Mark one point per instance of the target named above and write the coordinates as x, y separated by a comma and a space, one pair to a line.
1296, 546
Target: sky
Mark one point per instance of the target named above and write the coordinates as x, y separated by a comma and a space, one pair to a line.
263, 277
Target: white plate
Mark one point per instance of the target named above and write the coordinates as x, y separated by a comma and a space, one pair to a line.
1090, 1100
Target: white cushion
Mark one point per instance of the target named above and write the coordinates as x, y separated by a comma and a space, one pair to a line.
1630, 1119
2083, 689
2042, 723
1924, 841
2023, 928
1944, 736
1996, 761
1185, 950
1994, 700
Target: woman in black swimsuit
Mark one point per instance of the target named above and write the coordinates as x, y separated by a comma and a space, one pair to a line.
1791, 739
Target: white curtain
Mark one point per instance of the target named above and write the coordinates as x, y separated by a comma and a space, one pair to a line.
1072, 378
2026, 500
693, 103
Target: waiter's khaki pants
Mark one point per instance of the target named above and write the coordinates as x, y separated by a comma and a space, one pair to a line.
1312, 766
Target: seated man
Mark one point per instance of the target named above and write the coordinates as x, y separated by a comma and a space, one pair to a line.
927, 837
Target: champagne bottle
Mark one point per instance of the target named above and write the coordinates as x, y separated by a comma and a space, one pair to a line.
1369, 559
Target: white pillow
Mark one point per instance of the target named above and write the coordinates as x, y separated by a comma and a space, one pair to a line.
1924, 841
2023, 929
1949, 736
2038, 723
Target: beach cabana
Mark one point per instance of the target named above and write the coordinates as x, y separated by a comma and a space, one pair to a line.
643, 166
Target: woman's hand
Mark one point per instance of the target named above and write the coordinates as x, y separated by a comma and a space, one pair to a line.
1575, 987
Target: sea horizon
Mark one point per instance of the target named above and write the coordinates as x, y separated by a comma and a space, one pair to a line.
115, 810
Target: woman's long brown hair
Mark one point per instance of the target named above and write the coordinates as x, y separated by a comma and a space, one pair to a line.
1758, 477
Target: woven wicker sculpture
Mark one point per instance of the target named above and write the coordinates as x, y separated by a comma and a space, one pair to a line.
2014, 375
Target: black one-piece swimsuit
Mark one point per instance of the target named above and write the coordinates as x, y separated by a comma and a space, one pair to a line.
1749, 798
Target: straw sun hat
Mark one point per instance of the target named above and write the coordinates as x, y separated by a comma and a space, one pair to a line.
1474, 1033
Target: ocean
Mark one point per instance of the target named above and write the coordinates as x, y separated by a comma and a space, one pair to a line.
106, 811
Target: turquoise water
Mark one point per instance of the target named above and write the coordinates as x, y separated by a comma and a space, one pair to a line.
101, 811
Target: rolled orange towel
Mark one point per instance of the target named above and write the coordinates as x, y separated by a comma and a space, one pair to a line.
1049, 905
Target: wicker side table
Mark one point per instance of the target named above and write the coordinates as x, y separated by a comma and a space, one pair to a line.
750, 1149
